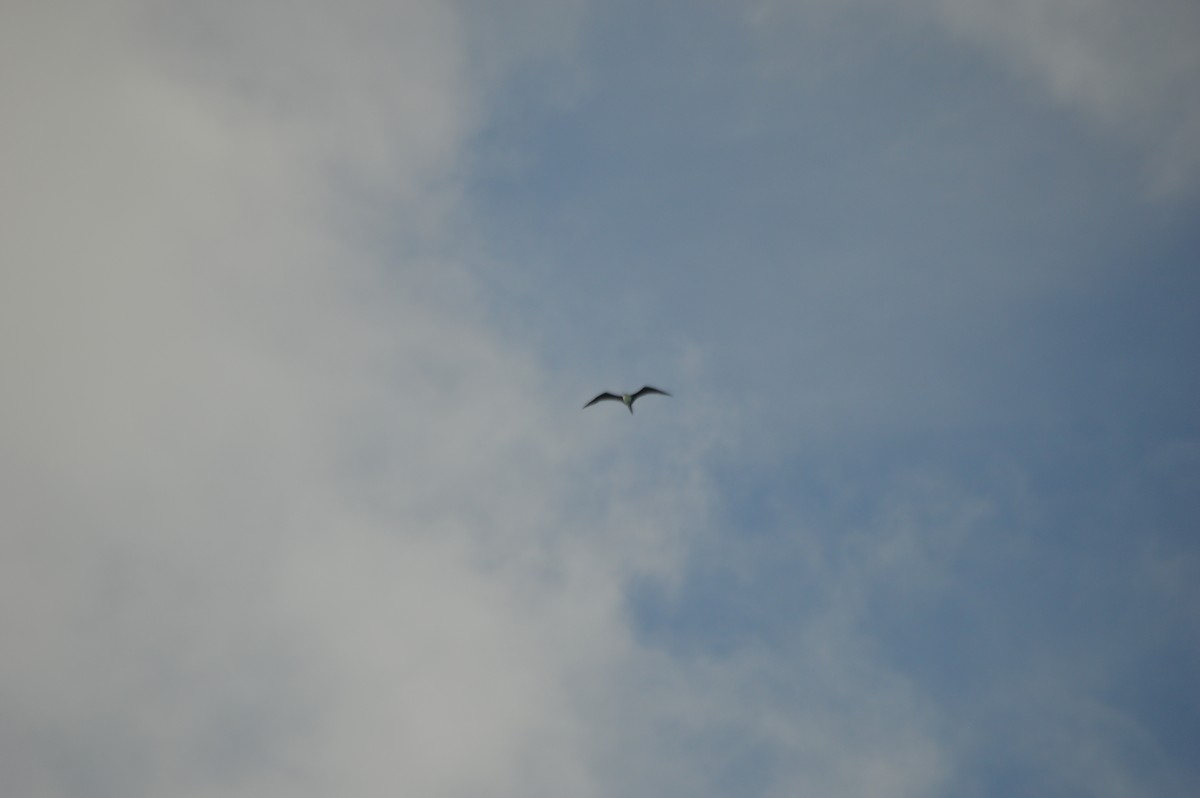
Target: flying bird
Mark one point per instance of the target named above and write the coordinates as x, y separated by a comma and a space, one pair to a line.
627, 398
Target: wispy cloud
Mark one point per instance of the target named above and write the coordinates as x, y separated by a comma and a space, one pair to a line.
1132, 67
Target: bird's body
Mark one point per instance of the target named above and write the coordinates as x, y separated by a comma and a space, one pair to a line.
627, 398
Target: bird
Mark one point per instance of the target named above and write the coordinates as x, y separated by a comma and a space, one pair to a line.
627, 398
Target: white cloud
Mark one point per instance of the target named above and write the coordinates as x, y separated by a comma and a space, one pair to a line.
246, 461
1131, 68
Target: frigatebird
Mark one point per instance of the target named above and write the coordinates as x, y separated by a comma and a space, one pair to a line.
627, 398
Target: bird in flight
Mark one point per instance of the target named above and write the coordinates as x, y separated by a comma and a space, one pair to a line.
627, 398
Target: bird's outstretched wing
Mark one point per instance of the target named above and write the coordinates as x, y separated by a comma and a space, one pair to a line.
602, 397
648, 389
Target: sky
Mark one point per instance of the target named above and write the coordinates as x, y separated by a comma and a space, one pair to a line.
300, 303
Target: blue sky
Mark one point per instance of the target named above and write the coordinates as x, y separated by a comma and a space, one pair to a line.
300, 304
